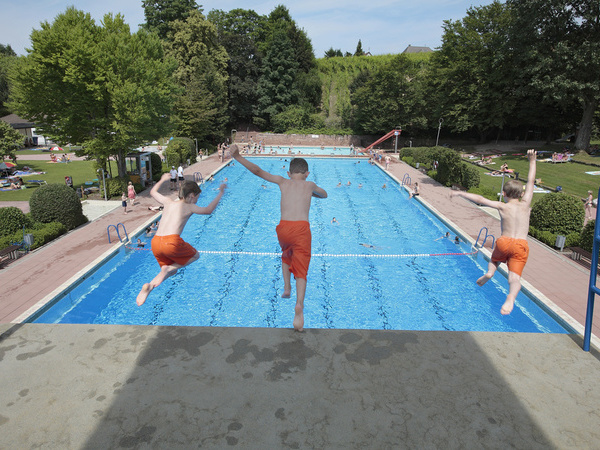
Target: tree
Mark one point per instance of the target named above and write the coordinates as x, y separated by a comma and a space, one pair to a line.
331, 53
7, 55
201, 109
558, 48
359, 50
385, 97
275, 86
10, 140
99, 86
160, 14
470, 81
238, 32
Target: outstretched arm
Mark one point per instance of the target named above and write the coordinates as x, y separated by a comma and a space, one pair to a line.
154, 191
475, 198
319, 192
212, 205
528, 194
235, 154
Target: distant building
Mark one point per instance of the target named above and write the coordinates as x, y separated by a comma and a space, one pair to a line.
411, 49
26, 128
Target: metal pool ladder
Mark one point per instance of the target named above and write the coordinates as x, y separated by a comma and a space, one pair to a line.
487, 235
406, 180
117, 230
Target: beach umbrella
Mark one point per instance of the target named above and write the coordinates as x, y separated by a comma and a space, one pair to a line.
56, 148
7, 165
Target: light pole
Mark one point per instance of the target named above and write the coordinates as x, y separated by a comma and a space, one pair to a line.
104, 184
196, 141
396, 133
233, 133
439, 129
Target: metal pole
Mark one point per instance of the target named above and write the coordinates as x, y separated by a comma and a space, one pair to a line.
396, 143
196, 141
439, 129
104, 184
593, 290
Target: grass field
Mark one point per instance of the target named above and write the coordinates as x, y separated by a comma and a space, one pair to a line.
81, 171
571, 176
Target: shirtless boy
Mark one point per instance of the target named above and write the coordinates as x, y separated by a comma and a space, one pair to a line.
293, 230
511, 247
171, 252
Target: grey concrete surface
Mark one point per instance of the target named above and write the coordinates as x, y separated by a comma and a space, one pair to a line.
110, 386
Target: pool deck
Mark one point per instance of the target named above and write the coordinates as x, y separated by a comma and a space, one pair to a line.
91, 386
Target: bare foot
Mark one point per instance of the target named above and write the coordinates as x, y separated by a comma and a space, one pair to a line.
508, 306
484, 279
298, 319
286, 293
143, 295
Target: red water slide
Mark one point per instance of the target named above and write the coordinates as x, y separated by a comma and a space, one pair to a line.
380, 140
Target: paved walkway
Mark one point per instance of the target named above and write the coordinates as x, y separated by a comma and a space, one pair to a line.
111, 386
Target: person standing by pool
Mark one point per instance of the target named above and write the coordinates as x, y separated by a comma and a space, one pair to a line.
511, 247
293, 230
589, 203
131, 192
173, 174
171, 252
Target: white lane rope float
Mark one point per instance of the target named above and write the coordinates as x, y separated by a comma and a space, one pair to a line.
327, 255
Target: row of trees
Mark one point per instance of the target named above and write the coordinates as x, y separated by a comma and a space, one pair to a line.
523, 63
507, 67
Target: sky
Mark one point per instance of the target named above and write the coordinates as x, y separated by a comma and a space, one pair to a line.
383, 26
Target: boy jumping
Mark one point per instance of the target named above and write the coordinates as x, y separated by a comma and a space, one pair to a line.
293, 230
171, 252
511, 247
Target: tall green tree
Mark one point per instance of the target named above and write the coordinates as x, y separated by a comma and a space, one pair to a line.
10, 141
7, 55
201, 110
385, 97
557, 43
359, 49
276, 85
99, 86
239, 32
471, 83
160, 14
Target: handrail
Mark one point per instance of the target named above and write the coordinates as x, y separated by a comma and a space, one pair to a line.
406, 180
593, 290
485, 237
116, 227
198, 178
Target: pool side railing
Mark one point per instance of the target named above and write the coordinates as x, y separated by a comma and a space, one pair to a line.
593, 289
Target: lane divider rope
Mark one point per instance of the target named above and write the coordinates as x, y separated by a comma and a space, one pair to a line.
329, 255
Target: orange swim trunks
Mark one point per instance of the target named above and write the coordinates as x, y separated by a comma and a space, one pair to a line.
513, 252
295, 240
171, 249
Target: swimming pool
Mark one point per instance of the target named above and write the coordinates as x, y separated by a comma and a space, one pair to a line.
305, 150
398, 283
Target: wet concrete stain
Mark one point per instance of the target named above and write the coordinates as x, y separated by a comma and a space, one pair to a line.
6, 349
3, 420
143, 436
167, 344
371, 353
286, 357
29, 355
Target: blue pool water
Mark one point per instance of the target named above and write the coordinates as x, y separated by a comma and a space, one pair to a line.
349, 285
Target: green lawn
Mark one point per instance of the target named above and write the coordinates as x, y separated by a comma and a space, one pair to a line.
81, 171
571, 176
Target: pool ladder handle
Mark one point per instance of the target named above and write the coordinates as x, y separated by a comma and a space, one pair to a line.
406, 180
484, 238
198, 178
116, 227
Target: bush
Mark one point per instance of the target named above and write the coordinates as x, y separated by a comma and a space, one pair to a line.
408, 160
470, 176
57, 203
586, 238
549, 238
484, 191
558, 213
179, 151
115, 187
12, 219
156, 165
42, 234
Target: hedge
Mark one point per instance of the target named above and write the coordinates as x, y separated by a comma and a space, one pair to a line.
12, 219
42, 234
57, 203
558, 213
